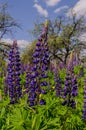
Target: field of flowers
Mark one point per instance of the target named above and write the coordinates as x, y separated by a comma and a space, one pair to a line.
42, 96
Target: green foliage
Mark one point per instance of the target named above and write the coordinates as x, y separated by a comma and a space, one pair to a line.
27, 54
2, 76
77, 69
52, 116
51, 82
23, 79
62, 75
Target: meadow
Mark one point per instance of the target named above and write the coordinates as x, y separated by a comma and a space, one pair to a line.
42, 95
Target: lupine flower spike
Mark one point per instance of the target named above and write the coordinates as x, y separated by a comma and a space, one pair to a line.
84, 106
71, 88
40, 61
14, 71
58, 84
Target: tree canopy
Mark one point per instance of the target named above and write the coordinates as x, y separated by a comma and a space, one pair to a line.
63, 36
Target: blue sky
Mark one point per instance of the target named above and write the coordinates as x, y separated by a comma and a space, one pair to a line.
26, 12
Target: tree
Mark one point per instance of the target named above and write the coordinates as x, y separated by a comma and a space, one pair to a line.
27, 54
63, 36
7, 25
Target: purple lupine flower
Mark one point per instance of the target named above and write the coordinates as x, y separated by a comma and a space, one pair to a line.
67, 87
74, 87
14, 71
29, 78
40, 61
26, 87
33, 83
57, 80
81, 73
52, 67
32, 93
70, 88
84, 106
58, 87
75, 60
24, 67
61, 65
44, 83
42, 102
43, 75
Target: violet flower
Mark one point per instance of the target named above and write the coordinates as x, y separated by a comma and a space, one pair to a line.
14, 71
58, 84
84, 106
70, 88
40, 61
75, 60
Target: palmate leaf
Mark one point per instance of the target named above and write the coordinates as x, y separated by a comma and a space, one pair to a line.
41, 122
51, 124
4, 112
46, 117
19, 118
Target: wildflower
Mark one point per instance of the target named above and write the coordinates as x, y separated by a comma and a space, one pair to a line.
14, 71
70, 88
40, 61
84, 106
42, 102
57, 80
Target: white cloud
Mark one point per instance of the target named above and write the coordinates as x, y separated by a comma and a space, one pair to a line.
21, 43
52, 2
79, 8
40, 10
82, 37
61, 8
